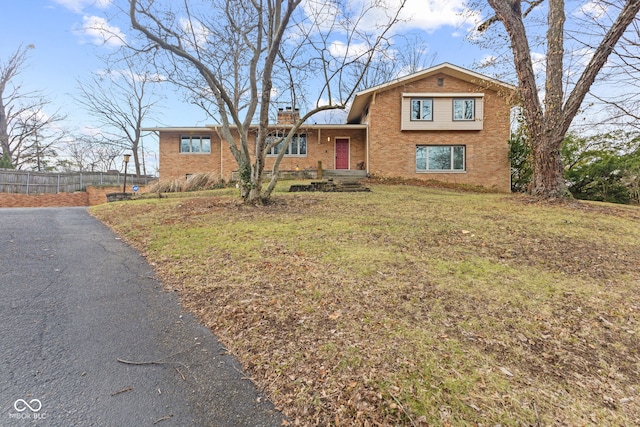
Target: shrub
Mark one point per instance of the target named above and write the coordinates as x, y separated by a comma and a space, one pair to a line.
203, 181
196, 182
5, 162
520, 158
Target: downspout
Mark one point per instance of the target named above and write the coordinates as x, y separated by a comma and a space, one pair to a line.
216, 132
366, 139
221, 159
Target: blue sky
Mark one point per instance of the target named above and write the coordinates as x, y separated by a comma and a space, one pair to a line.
64, 52
67, 50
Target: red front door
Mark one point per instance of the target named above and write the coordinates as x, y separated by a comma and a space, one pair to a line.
342, 153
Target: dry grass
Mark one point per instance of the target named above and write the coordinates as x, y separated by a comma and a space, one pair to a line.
411, 306
196, 182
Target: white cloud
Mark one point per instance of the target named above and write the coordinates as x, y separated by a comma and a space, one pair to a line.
426, 15
196, 33
594, 9
99, 32
322, 13
339, 49
539, 62
431, 15
487, 61
78, 6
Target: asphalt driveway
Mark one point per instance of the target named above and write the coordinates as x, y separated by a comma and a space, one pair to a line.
88, 336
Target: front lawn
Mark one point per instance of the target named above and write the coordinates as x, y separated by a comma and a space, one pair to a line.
411, 305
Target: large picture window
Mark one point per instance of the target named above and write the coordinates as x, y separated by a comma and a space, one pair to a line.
422, 109
464, 109
440, 158
195, 144
296, 148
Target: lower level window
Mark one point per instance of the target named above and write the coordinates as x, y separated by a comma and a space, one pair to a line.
440, 158
195, 144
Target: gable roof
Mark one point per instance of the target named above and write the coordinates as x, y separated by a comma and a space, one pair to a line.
363, 98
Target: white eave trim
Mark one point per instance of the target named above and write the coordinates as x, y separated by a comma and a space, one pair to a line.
209, 128
444, 95
177, 129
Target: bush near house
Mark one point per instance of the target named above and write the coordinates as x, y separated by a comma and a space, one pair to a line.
603, 167
195, 182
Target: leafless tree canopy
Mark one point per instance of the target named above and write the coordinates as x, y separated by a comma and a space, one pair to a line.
27, 133
573, 56
121, 97
241, 58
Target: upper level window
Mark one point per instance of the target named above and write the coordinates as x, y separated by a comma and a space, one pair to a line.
440, 158
422, 109
195, 144
464, 109
297, 146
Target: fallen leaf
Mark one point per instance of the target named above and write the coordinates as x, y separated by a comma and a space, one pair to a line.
505, 371
335, 315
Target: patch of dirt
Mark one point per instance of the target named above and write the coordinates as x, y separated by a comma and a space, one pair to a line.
624, 211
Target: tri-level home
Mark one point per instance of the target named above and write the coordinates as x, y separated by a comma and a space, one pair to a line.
445, 123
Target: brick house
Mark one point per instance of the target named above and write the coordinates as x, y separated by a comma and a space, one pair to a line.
445, 123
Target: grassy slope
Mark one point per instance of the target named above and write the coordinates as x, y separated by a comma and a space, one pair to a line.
410, 305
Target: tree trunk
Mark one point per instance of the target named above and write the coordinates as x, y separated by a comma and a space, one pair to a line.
255, 192
136, 159
547, 127
548, 176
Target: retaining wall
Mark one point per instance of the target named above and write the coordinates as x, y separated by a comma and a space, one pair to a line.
93, 196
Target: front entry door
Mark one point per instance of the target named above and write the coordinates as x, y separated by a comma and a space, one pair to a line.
342, 153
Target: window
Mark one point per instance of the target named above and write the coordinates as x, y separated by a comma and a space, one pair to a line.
422, 109
297, 147
464, 109
195, 144
440, 158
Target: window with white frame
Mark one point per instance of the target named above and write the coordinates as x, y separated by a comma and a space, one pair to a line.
195, 144
464, 109
440, 158
296, 148
422, 109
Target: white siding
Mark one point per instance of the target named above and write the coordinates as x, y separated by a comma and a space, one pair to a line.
442, 112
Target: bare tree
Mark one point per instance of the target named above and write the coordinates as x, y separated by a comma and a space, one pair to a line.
622, 104
394, 62
244, 53
92, 154
548, 121
37, 141
27, 133
121, 100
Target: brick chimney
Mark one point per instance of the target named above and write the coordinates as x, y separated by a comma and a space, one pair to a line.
288, 116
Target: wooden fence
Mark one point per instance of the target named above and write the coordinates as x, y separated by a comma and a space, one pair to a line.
24, 182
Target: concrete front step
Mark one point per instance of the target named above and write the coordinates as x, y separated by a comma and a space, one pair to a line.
344, 174
331, 185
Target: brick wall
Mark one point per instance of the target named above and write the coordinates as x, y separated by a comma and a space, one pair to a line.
93, 196
392, 151
10, 200
320, 147
173, 163
98, 195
